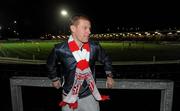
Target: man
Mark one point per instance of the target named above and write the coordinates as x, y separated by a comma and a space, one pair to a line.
77, 58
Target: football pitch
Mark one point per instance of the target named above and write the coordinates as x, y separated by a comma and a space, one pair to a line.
118, 51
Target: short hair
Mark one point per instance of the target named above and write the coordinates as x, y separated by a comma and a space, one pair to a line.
75, 18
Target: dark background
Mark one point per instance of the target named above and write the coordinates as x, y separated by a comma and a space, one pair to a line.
35, 17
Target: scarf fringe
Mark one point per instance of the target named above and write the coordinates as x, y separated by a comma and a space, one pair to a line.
104, 98
71, 105
75, 105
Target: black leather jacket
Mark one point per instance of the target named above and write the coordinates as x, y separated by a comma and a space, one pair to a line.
61, 54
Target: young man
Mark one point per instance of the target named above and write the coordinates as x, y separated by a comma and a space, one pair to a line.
77, 57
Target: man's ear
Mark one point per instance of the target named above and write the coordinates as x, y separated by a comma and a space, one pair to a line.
72, 28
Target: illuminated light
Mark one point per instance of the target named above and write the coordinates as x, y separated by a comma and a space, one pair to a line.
64, 13
178, 31
170, 33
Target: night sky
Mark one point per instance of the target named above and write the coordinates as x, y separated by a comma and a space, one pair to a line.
43, 16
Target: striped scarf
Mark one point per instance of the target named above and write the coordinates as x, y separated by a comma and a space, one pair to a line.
83, 73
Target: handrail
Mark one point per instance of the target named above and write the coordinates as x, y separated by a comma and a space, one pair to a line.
166, 87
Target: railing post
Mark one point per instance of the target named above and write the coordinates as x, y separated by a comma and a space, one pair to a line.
16, 96
167, 97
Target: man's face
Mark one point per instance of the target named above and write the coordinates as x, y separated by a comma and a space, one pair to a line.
81, 30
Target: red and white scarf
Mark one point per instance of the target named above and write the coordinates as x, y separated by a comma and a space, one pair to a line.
83, 73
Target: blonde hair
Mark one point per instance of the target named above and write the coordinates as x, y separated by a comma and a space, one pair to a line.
74, 20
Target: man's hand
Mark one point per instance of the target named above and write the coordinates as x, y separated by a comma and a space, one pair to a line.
56, 84
110, 82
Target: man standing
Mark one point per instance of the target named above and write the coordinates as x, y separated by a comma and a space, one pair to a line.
77, 57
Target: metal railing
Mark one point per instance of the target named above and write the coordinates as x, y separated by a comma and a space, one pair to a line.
166, 87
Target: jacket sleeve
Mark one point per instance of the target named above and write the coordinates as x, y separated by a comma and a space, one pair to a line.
51, 65
104, 59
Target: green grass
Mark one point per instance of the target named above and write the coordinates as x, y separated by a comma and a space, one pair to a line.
140, 51
118, 51
27, 50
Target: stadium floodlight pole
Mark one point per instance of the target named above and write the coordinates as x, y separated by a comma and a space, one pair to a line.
64, 14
